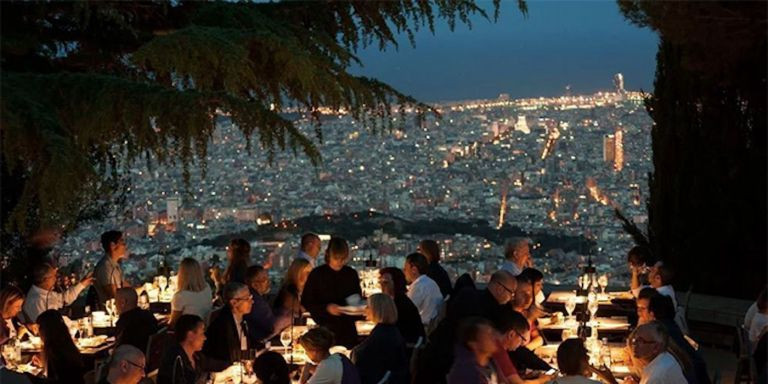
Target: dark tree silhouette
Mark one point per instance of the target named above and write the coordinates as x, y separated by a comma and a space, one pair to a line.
707, 207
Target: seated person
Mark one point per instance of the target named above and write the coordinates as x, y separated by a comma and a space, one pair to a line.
752, 311
126, 366
660, 278
650, 353
287, 306
61, 360
523, 303
328, 288
392, 282
513, 331
11, 300
643, 298
537, 279
431, 250
194, 295
477, 343
261, 320
41, 297
384, 349
135, 325
270, 368
695, 369
227, 336
759, 324
517, 255
573, 362
182, 362
640, 260
331, 368
422, 290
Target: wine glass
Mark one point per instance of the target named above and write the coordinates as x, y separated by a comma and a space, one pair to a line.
603, 282
570, 306
592, 308
285, 338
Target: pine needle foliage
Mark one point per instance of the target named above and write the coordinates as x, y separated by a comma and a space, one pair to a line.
91, 87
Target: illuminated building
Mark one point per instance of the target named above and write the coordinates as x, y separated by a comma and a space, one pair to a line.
618, 150
609, 148
521, 125
172, 209
618, 82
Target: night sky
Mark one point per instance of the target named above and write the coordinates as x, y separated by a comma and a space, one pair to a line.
581, 43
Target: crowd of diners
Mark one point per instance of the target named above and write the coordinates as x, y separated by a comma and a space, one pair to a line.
428, 329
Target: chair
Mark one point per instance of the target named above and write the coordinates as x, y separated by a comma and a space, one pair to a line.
155, 347
744, 363
385, 378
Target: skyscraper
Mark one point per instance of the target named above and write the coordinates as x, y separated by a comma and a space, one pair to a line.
172, 209
609, 148
618, 149
618, 82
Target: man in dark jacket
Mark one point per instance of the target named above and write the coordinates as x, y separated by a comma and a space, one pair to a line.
431, 250
227, 336
135, 325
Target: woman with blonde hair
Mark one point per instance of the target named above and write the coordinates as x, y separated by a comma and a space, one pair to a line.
11, 300
193, 294
384, 349
288, 298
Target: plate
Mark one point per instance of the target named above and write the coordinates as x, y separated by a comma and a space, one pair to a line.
353, 310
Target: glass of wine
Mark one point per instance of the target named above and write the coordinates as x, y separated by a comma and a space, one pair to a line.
592, 308
285, 338
603, 282
570, 306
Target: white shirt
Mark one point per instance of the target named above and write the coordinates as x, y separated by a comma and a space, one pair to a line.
329, 371
751, 312
426, 295
11, 328
511, 267
757, 327
303, 255
664, 369
241, 334
107, 272
39, 300
193, 303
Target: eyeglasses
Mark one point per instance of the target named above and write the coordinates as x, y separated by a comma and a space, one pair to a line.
525, 339
249, 298
511, 292
135, 365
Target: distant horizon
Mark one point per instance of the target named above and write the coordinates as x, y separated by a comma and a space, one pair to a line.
577, 43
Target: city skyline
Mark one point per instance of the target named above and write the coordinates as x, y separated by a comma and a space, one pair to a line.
581, 44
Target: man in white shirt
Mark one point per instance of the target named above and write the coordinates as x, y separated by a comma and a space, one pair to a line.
41, 296
422, 290
649, 349
309, 248
518, 256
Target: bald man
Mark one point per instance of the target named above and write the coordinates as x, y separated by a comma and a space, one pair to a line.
135, 324
126, 366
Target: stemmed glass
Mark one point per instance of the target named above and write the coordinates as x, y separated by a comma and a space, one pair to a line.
603, 282
570, 306
285, 338
592, 308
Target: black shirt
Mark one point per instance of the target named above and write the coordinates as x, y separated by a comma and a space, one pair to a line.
135, 327
222, 340
325, 286
175, 367
408, 319
440, 276
382, 351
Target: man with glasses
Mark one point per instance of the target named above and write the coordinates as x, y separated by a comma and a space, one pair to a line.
228, 335
648, 344
126, 366
514, 332
488, 303
41, 296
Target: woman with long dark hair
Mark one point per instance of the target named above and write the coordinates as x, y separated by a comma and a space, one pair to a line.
392, 281
238, 260
61, 359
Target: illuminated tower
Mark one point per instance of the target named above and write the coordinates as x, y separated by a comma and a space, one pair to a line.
618, 149
618, 82
609, 148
